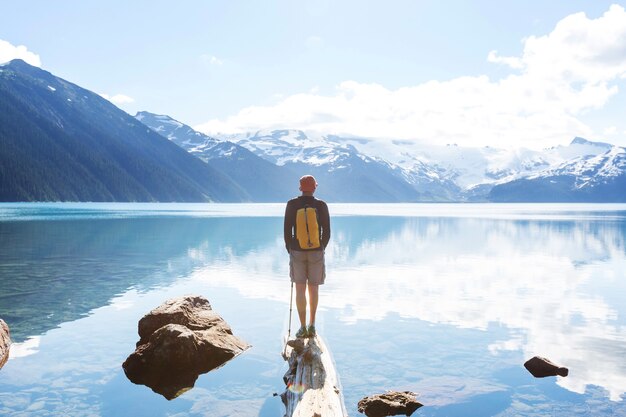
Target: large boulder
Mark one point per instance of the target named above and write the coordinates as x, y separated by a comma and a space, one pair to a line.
179, 340
5, 342
391, 403
541, 367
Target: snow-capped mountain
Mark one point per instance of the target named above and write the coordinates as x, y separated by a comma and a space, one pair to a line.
289, 146
368, 170
263, 181
471, 167
346, 173
589, 169
435, 173
184, 136
588, 178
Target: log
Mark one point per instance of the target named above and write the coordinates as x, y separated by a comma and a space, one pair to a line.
312, 385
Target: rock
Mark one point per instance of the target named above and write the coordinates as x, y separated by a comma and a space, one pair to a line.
179, 340
391, 403
193, 312
5, 342
541, 367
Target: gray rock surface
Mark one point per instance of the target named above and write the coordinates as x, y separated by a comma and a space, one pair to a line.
391, 403
179, 340
541, 367
5, 342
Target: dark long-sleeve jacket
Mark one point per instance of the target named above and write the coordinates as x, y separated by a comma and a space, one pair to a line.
291, 243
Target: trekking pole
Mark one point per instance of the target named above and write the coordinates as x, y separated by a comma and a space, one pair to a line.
290, 308
289, 329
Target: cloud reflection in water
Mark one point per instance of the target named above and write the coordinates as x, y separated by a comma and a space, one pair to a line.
551, 283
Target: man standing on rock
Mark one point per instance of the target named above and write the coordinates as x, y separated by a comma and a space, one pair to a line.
307, 232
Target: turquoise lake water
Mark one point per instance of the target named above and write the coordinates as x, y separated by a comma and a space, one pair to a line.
447, 301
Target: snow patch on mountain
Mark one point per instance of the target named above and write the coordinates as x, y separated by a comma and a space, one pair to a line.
590, 170
472, 167
176, 131
291, 146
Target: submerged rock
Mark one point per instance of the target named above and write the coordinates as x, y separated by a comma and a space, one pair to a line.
542, 367
5, 342
391, 403
179, 340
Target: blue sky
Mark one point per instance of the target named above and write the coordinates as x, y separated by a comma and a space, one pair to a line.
485, 72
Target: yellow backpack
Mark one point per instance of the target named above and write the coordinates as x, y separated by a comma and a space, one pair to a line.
307, 229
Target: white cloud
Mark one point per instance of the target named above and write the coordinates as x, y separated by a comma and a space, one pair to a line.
9, 52
557, 78
118, 99
513, 62
211, 60
611, 130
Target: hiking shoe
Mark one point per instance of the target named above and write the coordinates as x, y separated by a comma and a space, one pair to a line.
302, 332
311, 331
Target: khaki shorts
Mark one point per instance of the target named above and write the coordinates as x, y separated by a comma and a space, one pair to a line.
307, 265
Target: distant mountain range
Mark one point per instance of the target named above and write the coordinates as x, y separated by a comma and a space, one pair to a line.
59, 142
271, 165
367, 170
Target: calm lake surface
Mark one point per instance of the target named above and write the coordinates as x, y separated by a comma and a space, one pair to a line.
448, 301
